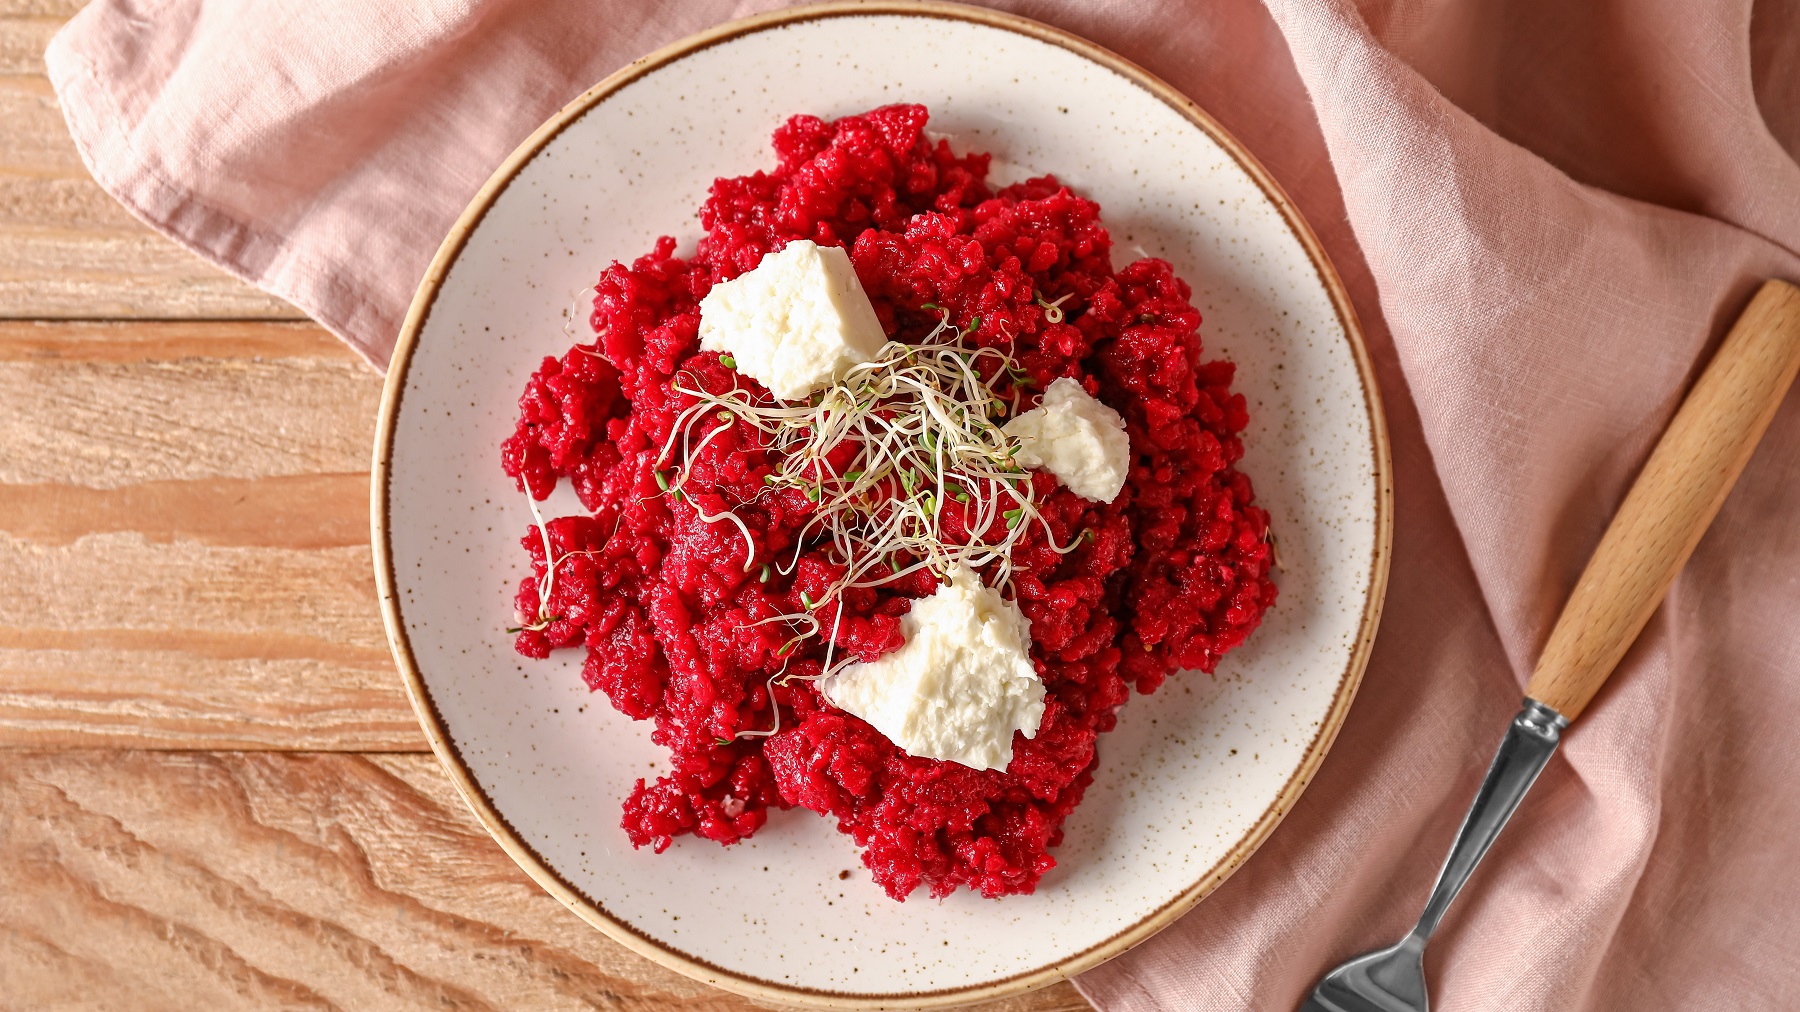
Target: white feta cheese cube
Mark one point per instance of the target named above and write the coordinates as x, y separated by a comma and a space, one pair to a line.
1077, 438
961, 685
796, 322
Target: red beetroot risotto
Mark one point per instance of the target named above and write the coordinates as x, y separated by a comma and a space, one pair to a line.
1174, 573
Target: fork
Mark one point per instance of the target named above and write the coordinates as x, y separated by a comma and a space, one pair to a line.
1669, 507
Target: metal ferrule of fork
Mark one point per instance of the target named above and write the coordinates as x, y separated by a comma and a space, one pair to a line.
1527, 747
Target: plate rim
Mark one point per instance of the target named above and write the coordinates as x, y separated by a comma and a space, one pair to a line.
594, 912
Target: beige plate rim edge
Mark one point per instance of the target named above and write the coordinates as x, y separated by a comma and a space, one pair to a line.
593, 912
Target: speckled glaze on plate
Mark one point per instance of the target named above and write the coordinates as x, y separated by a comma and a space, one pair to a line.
1194, 778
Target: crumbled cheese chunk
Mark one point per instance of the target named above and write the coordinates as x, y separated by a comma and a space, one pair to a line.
796, 322
961, 685
1076, 438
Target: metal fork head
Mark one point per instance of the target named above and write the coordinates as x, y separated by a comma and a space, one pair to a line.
1391, 980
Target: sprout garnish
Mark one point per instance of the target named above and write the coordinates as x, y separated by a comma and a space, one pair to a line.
912, 436
1053, 311
552, 562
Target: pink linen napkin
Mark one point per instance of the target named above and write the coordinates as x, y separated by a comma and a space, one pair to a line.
1546, 212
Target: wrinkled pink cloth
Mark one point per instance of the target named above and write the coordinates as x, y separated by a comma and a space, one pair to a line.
1547, 213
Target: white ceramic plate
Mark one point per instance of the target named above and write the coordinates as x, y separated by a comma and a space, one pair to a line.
1194, 778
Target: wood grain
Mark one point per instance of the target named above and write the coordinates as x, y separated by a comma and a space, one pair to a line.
184, 535
1672, 501
105, 424
194, 880
22, 41
112, 637
67, 250
61, 10
134, 341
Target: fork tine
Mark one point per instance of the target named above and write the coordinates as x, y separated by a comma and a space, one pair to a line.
1339, 1001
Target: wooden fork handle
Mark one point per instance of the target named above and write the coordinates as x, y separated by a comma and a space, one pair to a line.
1673, 500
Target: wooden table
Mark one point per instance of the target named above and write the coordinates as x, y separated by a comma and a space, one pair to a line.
213, 793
